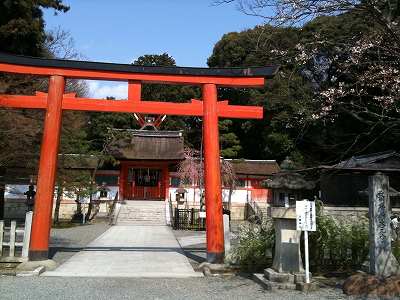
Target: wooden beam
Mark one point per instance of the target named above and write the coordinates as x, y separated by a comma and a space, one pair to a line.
134, 91
193, 108
29, 102
139, 77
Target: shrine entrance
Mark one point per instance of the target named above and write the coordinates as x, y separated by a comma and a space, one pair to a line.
144, 184
55, 101
143, 180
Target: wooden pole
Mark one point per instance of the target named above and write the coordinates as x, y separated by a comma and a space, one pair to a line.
212, 176
306, 256
41, 224
27, 234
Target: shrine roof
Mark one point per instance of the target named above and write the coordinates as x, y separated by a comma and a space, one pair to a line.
370, 160
254, 167
265, 71
289, 180
129, 144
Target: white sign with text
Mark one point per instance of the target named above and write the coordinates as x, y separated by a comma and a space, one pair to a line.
305, 215
306, 221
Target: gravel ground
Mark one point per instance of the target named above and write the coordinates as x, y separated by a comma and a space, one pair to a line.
123, 288
65, 242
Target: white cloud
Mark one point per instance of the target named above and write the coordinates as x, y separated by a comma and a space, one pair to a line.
104, 89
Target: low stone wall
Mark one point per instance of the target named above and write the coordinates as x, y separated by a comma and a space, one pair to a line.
16, 208
350, 213
238, 211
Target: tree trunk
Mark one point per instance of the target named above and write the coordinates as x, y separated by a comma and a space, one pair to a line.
2, 191
78, 206
58, 204
89, 212
230, 197
77, 217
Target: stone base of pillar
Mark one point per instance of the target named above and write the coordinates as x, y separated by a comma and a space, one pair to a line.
387, 265
35, 268
273, 280
38, 255
218, 269
215, 258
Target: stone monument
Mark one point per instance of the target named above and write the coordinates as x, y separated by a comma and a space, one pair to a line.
382, 261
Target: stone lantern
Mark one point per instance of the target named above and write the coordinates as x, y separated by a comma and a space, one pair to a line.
287, 188
180, 196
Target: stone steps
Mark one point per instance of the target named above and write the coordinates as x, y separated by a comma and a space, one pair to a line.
142, 213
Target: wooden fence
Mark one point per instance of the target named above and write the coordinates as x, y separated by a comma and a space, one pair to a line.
14, 241
188, 219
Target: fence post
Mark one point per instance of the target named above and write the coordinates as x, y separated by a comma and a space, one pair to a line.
12, 238
1, 236
27, 234
176, 218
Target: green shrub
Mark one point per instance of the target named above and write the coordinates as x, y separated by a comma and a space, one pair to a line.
339, 244
396, 249
335, 245
255, 246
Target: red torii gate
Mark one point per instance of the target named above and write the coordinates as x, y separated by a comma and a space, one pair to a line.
55, 101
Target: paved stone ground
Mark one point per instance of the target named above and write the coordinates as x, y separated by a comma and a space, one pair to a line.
193, 244
44, 288
129, 251
65, 242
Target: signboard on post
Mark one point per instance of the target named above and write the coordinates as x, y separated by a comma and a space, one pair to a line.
305, 215
306, 221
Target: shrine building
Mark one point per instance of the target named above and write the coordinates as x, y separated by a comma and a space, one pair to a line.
147, 169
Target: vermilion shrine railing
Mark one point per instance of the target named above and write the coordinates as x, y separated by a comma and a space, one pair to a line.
55, 101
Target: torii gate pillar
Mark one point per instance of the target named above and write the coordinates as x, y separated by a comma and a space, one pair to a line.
212, 176
39, 246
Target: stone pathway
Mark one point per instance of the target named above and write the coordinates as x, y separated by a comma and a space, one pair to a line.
130, 251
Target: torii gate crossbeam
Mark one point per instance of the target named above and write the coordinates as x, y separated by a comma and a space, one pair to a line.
55, 101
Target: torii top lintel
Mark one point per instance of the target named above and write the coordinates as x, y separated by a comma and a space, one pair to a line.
135, 76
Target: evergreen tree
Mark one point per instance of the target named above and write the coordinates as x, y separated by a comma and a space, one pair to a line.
22, 25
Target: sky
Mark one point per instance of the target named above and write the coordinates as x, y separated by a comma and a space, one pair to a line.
121, 30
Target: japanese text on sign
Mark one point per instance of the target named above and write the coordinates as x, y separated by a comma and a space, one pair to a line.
305, 215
